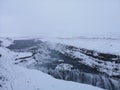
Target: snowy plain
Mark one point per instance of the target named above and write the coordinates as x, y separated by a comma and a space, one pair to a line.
104, 45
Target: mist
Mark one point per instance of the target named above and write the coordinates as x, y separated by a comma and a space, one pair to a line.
59, 17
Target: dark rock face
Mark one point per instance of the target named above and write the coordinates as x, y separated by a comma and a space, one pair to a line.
86, 78
82, 71
95, 54
100, 56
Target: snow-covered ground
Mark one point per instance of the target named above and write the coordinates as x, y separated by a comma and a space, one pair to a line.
104, 45
6, 41
101, 44
21, 78
23, 54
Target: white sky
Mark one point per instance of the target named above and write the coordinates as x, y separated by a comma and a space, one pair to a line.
59, 17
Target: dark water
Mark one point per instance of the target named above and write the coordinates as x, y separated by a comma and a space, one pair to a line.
23, 44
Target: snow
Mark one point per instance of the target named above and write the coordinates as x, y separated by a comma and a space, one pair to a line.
34, 80
101, 44
23, 54
104, 66
6, 41
104, 45
21, 78
64, 66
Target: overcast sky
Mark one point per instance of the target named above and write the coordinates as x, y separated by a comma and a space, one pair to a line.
59, 17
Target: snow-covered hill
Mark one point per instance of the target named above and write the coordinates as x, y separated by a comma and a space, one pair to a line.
15, 77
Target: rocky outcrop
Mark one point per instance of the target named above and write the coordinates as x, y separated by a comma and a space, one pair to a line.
99, 80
